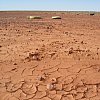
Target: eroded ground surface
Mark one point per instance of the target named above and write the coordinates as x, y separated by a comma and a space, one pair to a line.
49, 59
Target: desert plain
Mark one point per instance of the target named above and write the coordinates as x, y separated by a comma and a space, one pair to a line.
49, 59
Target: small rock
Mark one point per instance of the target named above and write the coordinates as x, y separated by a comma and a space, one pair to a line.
70, 51
56, 17
82, 42
52, 54
15, 63
30, 38
53, 80
94, 88
41, 77
48, 28
92, 14
50, 86
34, 56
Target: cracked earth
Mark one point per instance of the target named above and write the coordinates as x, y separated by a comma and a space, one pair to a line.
47, 59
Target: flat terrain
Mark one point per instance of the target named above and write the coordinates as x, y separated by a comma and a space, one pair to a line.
49, 59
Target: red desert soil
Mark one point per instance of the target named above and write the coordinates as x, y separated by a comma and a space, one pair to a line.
49, 59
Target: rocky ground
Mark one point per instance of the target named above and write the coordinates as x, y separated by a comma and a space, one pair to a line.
49, 59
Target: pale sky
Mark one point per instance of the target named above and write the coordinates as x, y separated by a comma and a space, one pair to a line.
63, 5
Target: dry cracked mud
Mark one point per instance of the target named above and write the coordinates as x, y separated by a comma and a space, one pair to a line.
47, 59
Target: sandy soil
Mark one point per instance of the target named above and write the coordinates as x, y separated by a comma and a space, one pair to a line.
46, 59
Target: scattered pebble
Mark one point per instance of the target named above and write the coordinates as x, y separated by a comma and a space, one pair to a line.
82, 42
41, 78
50, 86
53, 80
34, 56
70, 51
15, 63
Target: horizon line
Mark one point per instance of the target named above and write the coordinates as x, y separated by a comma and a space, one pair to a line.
55, 10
